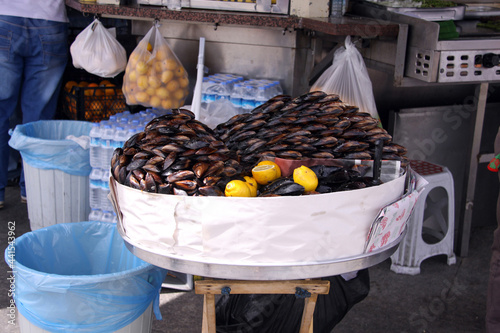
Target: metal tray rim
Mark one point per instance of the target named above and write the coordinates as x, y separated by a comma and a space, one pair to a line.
261, 271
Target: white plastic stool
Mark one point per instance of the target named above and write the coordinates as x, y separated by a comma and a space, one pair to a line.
428, 220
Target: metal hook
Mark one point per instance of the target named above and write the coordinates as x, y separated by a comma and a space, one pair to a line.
216, 25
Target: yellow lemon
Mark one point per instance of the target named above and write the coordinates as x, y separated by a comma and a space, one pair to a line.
271, 163
172, 86
237, 188
252, 184
142, 82
149, 47
183, 82
155, 101
142, 97
166, 104
179, 95
162, 92
171, 64
141, 67
131, 100
151, 91
265, 174
180, 71
158, 66
132, 75
305, 177
166, 76
162, 52
154, 82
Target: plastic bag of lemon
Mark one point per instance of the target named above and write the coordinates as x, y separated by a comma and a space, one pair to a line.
154, 76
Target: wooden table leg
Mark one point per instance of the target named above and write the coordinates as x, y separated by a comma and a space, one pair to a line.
210, 288
208, 324
306, 325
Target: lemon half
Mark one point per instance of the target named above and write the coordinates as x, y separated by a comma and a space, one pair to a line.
265, 174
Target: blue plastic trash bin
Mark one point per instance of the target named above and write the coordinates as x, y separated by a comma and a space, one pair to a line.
80, 277
56, 163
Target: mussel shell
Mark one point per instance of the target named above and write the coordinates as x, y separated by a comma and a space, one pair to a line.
169, 160
136, 164
181, 175
172, 147
215, 169
210, 191
359, 155
165, 188
211, 181
142, 155
151, 168
134, 139
187, 185
275, 184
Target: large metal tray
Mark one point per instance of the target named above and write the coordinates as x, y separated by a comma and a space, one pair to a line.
428, 14
260, 271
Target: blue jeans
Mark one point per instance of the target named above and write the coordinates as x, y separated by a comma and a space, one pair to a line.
33, 57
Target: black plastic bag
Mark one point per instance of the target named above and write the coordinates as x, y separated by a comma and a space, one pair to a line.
277, 313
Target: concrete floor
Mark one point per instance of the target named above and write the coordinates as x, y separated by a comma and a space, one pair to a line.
441, 299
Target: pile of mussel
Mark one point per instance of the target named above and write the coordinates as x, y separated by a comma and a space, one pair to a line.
313, 125
175, 154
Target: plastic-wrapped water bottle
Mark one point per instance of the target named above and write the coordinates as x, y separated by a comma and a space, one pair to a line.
121, 135
107, 216
276, 89
95, 145
236, 96
95, 179
107, 146
248, 97
211, 92
262, 95
223, 91
105, 202
95, 215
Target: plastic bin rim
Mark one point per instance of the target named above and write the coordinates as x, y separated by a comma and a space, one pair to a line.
21, 127
80, 278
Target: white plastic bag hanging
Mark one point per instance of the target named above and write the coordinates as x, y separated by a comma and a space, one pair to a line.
348, 78
97, 51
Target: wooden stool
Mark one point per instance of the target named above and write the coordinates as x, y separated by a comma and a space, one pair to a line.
210, 288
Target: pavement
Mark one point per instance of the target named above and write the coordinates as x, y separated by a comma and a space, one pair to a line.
440, 299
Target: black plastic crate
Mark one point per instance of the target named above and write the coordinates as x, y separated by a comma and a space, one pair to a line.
93, 103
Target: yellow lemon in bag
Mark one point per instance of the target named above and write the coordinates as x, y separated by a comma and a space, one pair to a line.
305, 177
265, 174
271, 163
237, 188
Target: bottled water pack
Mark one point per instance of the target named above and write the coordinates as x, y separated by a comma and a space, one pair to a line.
105, 137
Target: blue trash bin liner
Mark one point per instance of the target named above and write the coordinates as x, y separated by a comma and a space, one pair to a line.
80, 277
43, 145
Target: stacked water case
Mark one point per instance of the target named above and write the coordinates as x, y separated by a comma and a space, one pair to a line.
105, 137
244, 94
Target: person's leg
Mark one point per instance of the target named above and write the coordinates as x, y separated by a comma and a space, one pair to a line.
493, 296
11, 71
44, 68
